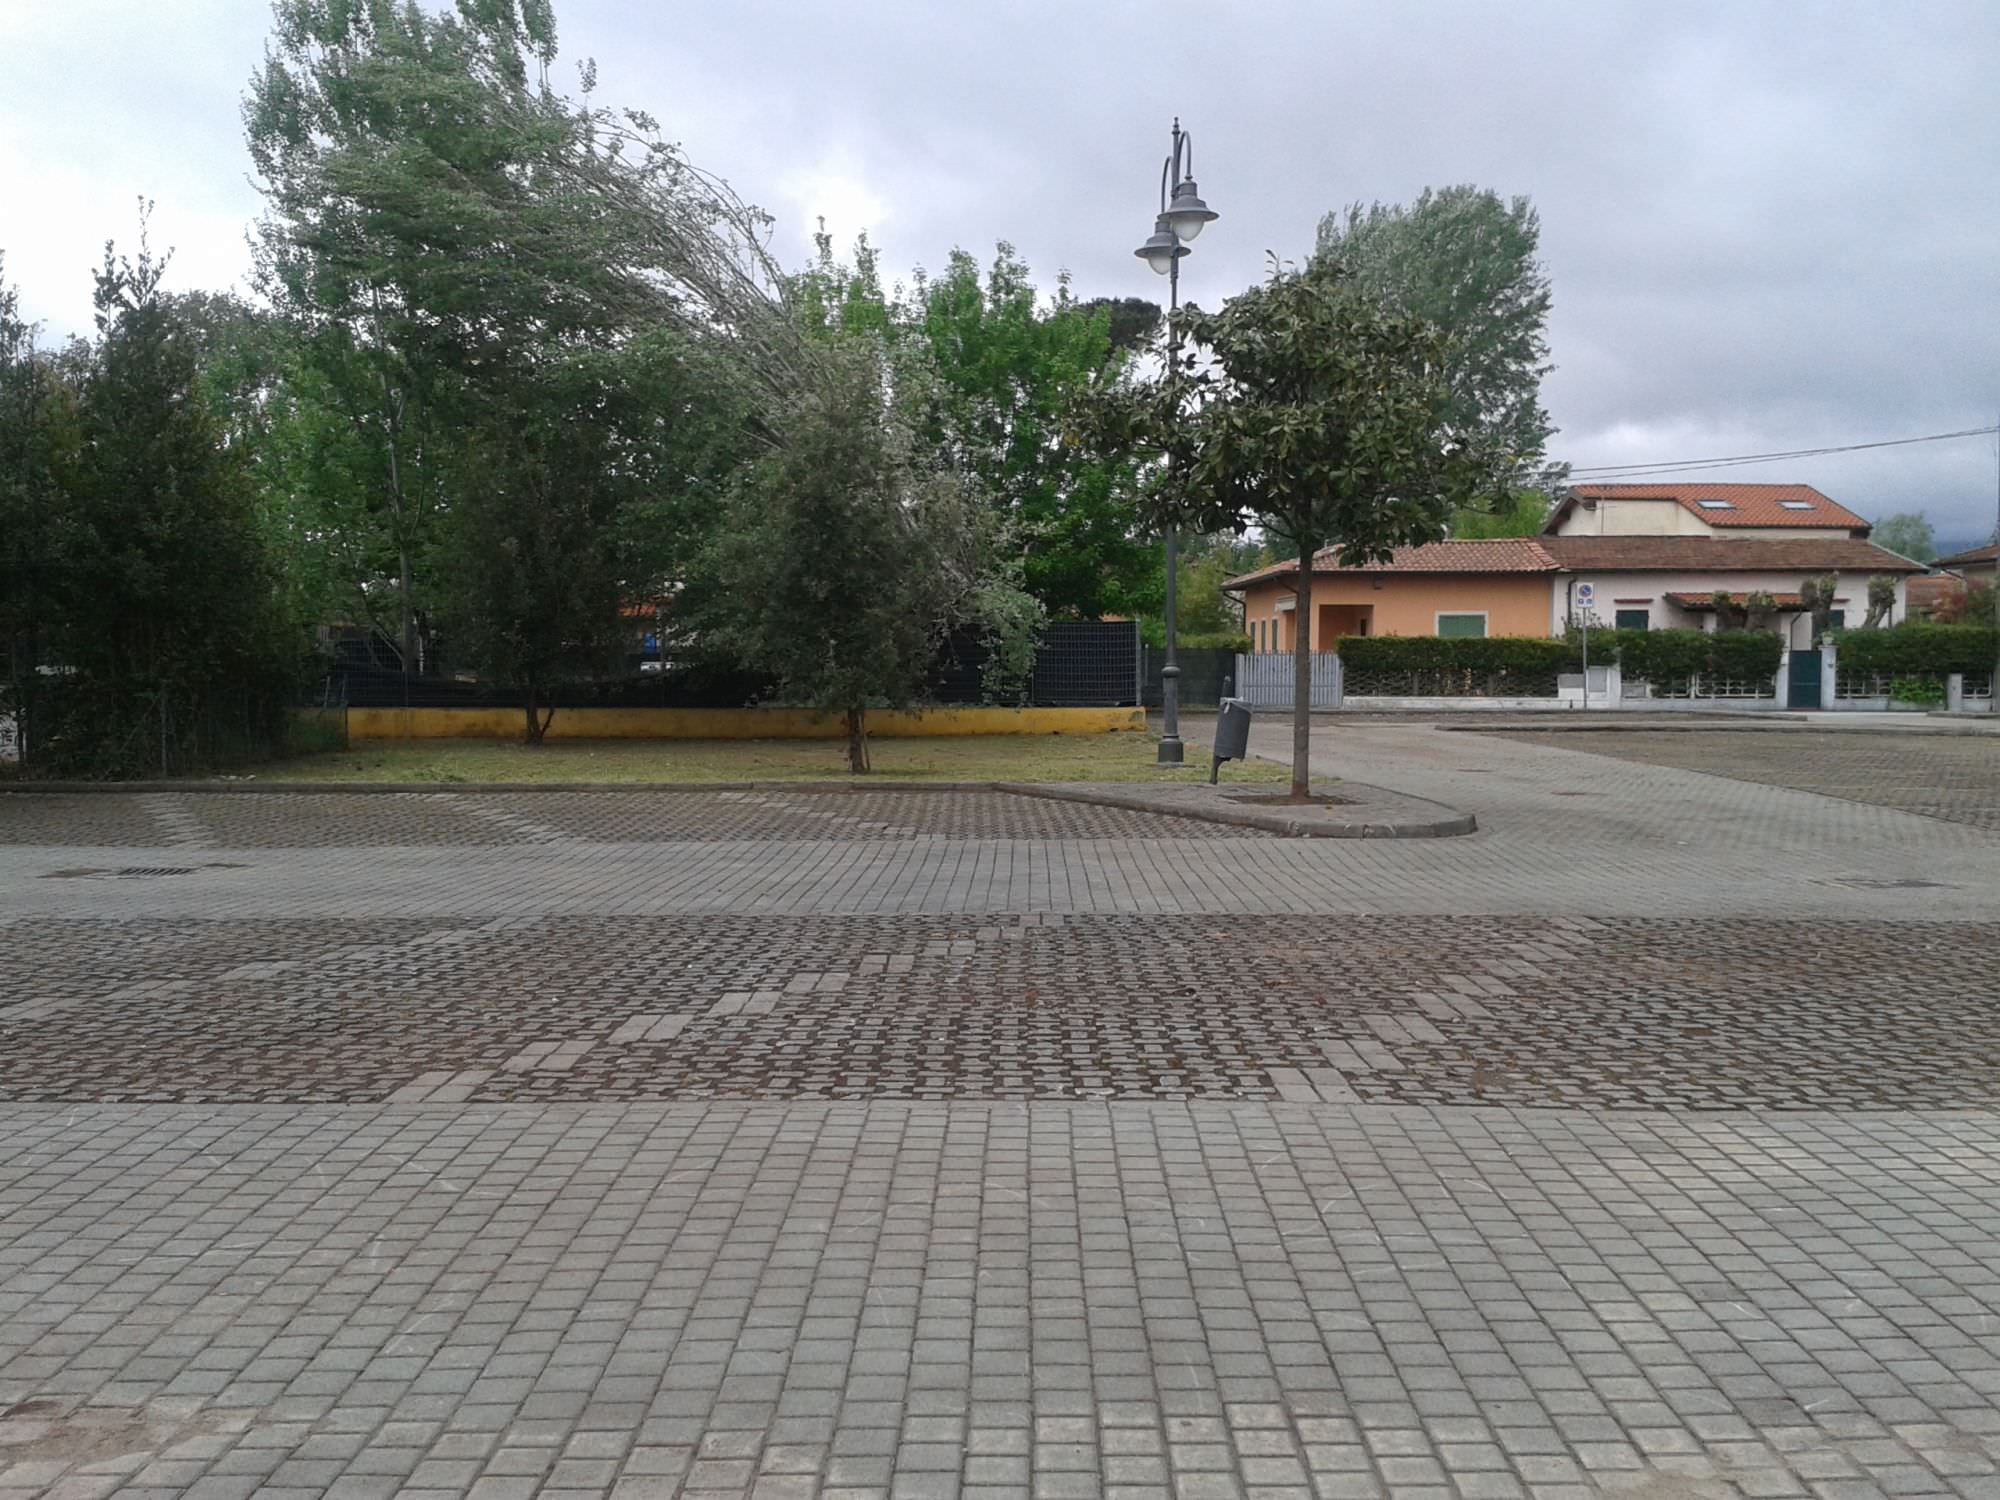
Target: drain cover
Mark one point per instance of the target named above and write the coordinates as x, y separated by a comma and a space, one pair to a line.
1870, 883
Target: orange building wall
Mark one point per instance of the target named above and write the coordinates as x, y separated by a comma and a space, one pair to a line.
1401, 604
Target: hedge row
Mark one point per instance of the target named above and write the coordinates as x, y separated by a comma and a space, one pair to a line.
1918, 648
1655, 655
1677, 655
1498, 655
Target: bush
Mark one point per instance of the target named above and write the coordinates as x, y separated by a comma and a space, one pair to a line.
1918, 650
1923, 691
1455, 666
1675, 656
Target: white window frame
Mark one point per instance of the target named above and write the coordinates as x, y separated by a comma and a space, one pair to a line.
1437, 623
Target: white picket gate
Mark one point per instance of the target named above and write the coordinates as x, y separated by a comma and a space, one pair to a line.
1264, 679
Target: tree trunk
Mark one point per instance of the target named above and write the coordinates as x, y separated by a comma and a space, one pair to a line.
538, 722
1302, 670
857, 740
409, 642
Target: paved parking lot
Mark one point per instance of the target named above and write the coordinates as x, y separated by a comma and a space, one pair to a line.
1956, 778
910, 1146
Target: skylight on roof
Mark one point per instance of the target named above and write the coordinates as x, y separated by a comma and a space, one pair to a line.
1796, 504
1715, 505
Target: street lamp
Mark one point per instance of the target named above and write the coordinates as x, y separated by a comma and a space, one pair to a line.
1181, 218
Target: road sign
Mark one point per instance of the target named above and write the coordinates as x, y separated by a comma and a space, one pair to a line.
1586, 594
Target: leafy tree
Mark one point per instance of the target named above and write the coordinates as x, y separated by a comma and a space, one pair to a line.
40, 446
473, 263
1320, 414
1908, 533
430, 226
1518, 512
1005, 373
1133, 320
849, 557
159, 600
1465, 259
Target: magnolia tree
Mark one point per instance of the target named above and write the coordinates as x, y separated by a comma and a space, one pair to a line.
1320, 414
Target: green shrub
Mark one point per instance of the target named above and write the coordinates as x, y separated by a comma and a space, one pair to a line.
1662, 656
1925, 691
1918, 649
1453, 666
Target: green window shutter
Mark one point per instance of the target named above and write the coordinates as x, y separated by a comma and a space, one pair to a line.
1461, 625
1633, 619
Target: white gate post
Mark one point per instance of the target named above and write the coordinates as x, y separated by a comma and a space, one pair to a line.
1829, 671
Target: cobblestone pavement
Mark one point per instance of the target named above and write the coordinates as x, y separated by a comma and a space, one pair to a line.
305, 820
892, 1147
1648, 1013
1071, 1300
1956, 778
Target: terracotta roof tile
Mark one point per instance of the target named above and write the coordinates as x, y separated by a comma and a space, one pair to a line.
1747, 504
1708, 554
1972, 555
1515, 554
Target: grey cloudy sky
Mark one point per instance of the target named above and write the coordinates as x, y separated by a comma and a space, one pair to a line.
1770, 225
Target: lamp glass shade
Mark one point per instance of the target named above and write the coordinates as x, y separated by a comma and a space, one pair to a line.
1187, 213
1161, 249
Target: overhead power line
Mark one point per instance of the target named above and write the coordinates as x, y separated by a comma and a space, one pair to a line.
1610, 472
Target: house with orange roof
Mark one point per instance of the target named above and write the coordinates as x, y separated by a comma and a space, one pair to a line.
1531, 586
1719, 510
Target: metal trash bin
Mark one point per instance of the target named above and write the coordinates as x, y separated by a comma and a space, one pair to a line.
1232, 735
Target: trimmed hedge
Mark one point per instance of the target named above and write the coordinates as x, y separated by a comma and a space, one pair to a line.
1678, 655
1527, 655
1527, 666
1919, 649
1421, 666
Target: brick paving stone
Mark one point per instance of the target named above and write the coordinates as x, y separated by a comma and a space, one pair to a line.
1638, 1014
1950, 777
1618, 1147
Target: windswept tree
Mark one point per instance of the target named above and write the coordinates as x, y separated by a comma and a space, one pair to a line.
1320, 414
442, 224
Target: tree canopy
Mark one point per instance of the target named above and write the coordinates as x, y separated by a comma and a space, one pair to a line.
1908, 533
1319, 413
1465, 259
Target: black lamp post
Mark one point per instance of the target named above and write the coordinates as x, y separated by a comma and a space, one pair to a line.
1181, 218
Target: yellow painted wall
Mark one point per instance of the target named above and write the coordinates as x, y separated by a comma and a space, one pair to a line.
730, 723
1406, 603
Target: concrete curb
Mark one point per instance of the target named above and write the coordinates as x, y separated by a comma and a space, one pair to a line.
1793, 726
1448, 824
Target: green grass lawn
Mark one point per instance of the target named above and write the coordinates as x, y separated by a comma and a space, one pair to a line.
997, 757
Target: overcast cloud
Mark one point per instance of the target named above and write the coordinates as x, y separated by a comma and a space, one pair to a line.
1769, 225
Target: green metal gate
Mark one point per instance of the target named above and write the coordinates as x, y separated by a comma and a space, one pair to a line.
1804, 686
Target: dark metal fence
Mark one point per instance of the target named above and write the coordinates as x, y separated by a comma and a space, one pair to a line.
1208, 675
1079, 664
